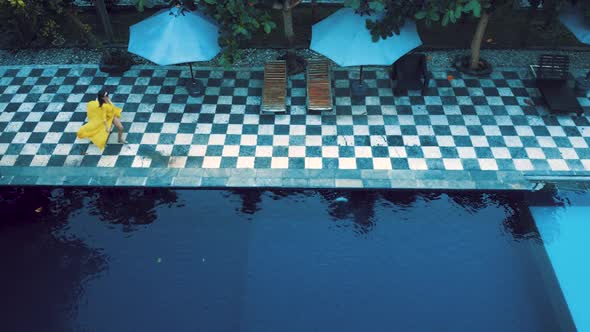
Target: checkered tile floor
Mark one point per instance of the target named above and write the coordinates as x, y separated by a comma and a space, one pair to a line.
462, 123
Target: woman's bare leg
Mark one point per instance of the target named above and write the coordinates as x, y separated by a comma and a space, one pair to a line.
119, 125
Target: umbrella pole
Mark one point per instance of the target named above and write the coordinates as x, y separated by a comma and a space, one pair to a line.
190, 65
361, 76
195, 87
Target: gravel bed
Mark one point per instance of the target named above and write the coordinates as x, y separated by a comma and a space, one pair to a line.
257, 57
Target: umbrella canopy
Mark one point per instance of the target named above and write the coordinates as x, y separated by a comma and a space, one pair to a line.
344, 38
573, 19
173, 36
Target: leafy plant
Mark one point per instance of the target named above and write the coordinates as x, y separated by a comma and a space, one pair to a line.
37, 23
238, 20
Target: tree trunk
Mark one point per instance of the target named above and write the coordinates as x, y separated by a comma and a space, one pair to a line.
288, 23
104, 18
92, 40
477, 39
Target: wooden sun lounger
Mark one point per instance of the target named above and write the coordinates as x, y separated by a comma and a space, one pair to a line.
319, 85
274, 92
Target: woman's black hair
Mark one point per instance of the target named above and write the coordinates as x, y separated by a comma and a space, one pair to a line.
101, 95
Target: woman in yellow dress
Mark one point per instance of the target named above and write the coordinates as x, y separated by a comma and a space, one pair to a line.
102, 114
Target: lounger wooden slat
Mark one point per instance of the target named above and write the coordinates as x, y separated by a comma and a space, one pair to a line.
275, 87
319, 85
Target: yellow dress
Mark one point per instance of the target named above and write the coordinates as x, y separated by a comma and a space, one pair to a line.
95, 129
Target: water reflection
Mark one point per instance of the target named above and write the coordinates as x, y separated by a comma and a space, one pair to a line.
130, 207
217, 272
44, 271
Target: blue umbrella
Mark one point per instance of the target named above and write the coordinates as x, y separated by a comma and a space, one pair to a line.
174, 36
573, 19
344, 38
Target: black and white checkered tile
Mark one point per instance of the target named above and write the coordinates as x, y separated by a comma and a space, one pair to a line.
460, 123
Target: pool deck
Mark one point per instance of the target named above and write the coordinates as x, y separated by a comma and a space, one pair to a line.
464, 133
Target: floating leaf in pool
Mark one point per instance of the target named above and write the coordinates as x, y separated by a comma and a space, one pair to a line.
159, 260
39, 209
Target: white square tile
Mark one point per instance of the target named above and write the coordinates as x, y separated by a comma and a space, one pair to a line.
578, 142
73, 161
263, 151
280, 140
203, 128
40, 160
568, 153
157, 117
326, 131
330, 151
30, 149
492, 130
150, 138
8, 160
197, 150
52, 138
397, 152
360, 130
431, 152
535, 153
164, 149
13, 127
546, 142
216, 139
425, 130
558, 165
382, 163
245, 162
586, 164
479, 141
3, 148
141, 162
417, 164
298, 130
183, 139
129, 150
445, 141
513, 141
346, 163
62, 149
501, 153
279, 162
313, 163
452, 164
523, 165
411, 140
211, 162
248, 140
466, 152
266, 129
488, 164
234, 129
459, 131
21, 138
107, 161
230, 151
296, 151
170, 128
42, 127
363, 152
177, 162
556, 131
524, 131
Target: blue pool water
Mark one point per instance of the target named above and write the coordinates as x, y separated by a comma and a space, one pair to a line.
153, 260
564, 229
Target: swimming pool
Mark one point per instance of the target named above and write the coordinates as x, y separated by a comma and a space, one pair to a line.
255, 260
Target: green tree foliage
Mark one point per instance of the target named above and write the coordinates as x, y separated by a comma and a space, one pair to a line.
393, 14
238, 21
37, 23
